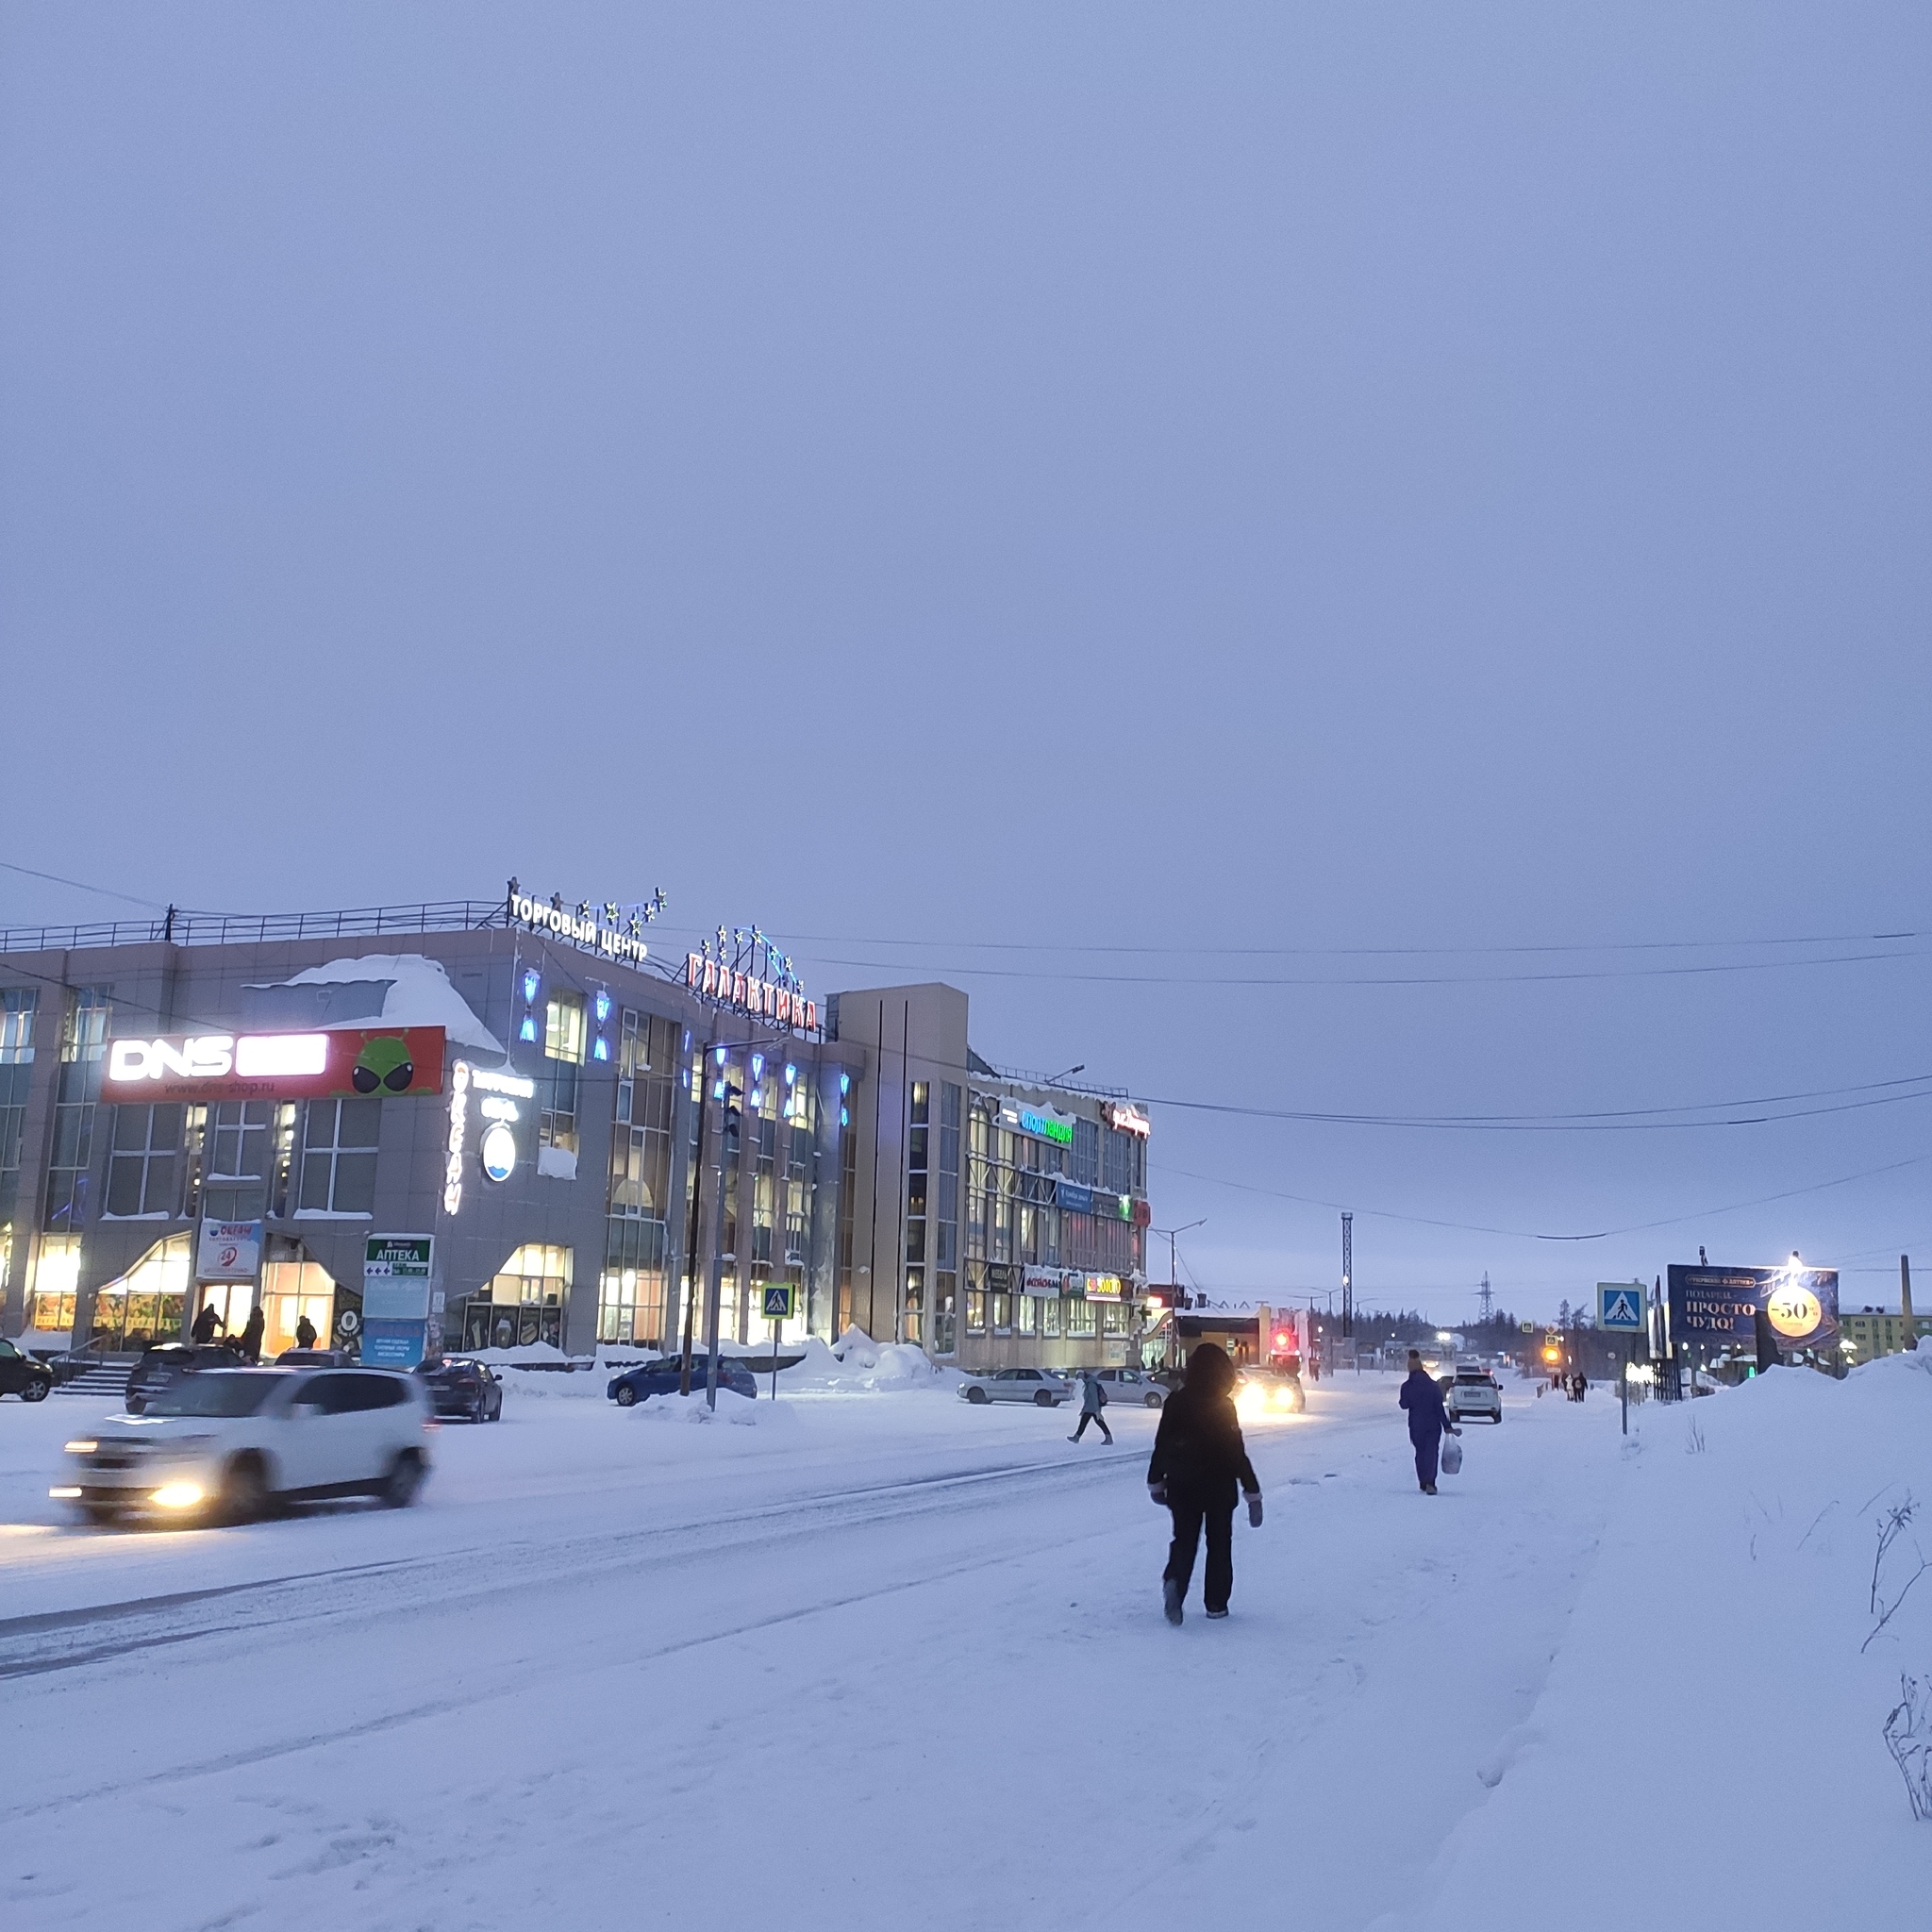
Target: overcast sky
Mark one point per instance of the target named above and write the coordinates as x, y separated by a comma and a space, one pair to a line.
1283, 503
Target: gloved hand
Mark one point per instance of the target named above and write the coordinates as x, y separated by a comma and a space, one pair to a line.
1156, 1494
1254, 1512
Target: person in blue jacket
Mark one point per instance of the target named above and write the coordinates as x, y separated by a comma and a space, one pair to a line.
1428, 1419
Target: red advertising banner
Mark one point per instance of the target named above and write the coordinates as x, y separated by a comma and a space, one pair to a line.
349, 1062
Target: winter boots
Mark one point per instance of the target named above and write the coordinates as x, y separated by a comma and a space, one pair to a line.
1171, 1600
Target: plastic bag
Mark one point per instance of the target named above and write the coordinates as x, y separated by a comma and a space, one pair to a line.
1452, 1455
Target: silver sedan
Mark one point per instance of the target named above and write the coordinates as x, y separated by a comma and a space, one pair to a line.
1133, 1386
1043, 1386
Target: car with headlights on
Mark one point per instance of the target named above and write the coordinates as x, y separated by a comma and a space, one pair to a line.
225, 1444
664, 1376
1263, 1393
1048, 1388
1474, 1391
462, 1390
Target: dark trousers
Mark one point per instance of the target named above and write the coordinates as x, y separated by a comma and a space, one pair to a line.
1092, 1415
1190, 1512
1427, 1449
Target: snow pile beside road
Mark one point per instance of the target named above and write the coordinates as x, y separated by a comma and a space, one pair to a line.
731, 1407
856, 1364
1710, 1727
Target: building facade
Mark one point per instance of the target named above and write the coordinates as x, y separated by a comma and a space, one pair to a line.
581, 1141
1873, 1332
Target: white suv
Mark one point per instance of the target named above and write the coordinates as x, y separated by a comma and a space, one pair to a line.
222, 1444
1475, 1391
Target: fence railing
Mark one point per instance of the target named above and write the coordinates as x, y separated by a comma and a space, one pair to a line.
189, 928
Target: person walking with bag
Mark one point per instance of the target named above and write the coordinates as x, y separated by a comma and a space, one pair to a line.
1092, 1400
1198, 1462
1428, 1417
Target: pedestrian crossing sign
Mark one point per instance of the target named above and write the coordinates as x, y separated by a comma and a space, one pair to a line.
777, 1299
1619, 1307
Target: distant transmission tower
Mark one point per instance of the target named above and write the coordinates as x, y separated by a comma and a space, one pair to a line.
1488, 1301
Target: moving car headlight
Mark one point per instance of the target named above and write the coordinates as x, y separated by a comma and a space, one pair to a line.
65, 1493
82, 1445
178, 1495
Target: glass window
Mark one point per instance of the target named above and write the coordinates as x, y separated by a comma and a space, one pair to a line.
83, 1042
525, 1303
975, 1312
215, 1393
339, 1148
148, 1303
143, 1167
1050, 1316
563, 1028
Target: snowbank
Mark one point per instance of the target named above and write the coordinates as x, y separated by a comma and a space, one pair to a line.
855, 1365
1711, 1724
742, 1409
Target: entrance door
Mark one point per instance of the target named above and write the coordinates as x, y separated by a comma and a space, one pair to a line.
281, 1312
232, 1301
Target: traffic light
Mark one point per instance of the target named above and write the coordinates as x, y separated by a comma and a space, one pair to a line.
1283, 1340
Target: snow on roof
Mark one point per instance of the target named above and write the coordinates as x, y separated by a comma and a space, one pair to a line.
388, 990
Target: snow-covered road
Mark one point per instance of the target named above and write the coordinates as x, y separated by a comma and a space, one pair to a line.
874, 1660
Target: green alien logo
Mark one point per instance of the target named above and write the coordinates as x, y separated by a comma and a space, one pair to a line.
383, 1062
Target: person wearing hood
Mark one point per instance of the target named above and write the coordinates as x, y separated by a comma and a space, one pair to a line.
250, 1342
1092, 1400
1428, 1416
1199, 1461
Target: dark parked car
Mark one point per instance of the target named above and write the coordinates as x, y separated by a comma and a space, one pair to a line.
20, 1375
164, 1364
660, 1378
464, 1390
315, 1359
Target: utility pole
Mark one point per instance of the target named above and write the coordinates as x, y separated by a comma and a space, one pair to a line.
1904, 1301
1488, 1300
1348, 1286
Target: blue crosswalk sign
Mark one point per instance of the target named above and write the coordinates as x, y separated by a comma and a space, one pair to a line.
1620, 1306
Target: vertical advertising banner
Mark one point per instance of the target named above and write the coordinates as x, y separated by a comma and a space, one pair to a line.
396, 1299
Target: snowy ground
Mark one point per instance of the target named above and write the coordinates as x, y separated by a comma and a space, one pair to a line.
883, 1659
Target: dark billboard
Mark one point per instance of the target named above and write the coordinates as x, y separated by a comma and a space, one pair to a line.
1790, 1307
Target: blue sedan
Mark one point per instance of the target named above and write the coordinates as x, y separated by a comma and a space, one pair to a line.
662, 1379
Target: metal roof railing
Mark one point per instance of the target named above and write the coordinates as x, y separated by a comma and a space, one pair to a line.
181, 928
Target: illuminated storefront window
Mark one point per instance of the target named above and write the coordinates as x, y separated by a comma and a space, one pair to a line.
146, 1304
523, 1304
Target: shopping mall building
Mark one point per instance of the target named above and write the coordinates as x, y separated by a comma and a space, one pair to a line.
467, 1125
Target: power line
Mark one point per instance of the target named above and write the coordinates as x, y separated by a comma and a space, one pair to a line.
81, 886
1198, 982
1534, 1235
1198, 951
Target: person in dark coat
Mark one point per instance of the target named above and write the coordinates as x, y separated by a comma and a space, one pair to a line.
1092, 1400
1428, 1418
1199, 1459
203, 1332
250, 1343
304, 1333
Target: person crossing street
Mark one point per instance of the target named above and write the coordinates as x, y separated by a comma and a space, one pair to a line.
1092, 1400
